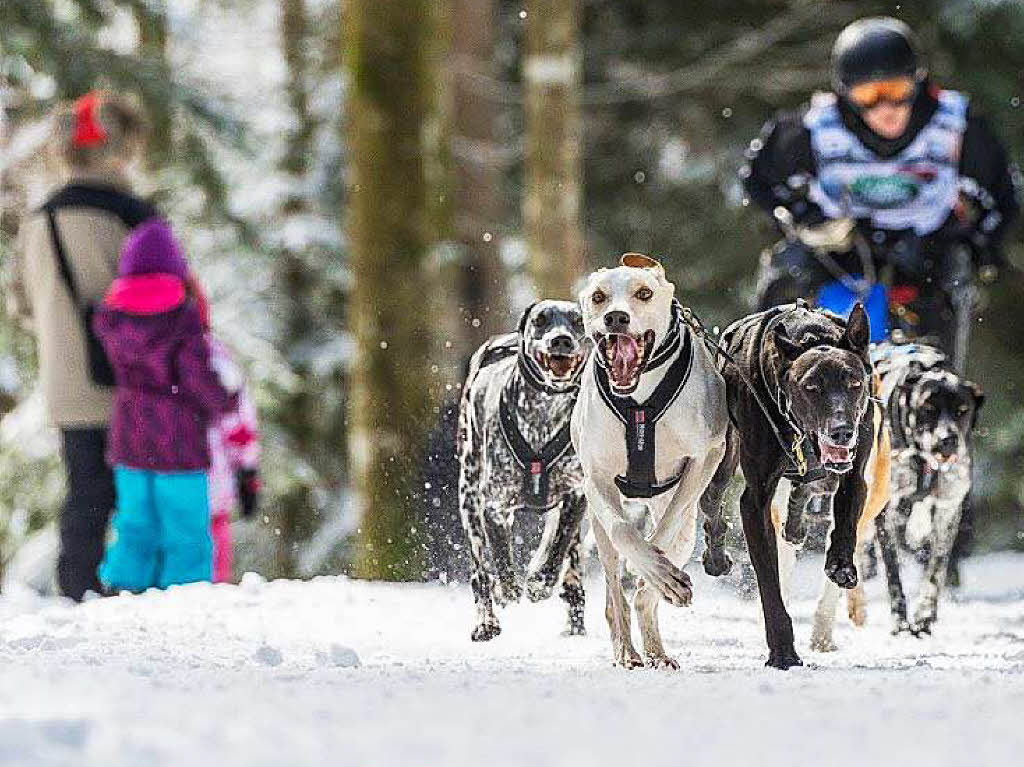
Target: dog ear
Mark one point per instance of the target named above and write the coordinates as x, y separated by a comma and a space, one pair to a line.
525, 317
788, 349
640, 261
979, 399
857, 337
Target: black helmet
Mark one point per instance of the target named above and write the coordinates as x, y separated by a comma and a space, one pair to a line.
874, 49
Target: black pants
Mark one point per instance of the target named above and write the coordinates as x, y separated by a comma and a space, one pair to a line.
83, 521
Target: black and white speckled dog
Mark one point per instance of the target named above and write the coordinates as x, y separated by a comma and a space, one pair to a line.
516, 456
931, 412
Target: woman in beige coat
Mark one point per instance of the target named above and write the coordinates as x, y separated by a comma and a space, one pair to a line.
95, 142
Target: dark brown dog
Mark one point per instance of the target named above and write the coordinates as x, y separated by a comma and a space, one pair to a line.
810, 371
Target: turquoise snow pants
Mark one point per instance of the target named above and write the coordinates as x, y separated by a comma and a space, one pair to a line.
161, 531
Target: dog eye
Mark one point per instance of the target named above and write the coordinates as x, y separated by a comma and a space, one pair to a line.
540, 321
645, 294
577, 322
598, 297
855, 384
962, 410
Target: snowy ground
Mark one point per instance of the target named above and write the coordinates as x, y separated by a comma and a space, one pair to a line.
263, 674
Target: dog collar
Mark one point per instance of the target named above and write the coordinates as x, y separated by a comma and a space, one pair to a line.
535, 464
640, 421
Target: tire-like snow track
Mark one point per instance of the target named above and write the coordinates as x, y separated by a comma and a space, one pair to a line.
265, 674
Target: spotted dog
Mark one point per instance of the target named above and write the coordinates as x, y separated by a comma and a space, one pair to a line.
649, 429
797, 384
516, 457
931, 412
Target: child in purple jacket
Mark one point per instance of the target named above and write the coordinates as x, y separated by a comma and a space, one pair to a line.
167, 396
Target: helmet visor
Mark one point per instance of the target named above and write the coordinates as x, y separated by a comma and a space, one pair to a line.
898, 90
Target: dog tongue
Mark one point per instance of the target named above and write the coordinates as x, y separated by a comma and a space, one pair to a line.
625, 355
834, 453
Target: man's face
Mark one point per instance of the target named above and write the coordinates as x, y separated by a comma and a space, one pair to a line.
889, 121
885, 105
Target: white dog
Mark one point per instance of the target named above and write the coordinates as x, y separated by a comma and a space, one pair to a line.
649, 428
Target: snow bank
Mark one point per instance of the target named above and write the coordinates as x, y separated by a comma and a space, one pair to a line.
339, 672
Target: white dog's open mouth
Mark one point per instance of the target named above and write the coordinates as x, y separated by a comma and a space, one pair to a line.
625, 355
836, 458
562, 367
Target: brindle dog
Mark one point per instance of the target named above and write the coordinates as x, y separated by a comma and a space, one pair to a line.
811, 372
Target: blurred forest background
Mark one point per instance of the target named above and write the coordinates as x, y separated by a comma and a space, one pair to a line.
368, 188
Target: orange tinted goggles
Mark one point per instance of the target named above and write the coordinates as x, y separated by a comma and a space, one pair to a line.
898, 91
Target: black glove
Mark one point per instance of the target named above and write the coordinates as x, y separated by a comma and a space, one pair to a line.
248, 491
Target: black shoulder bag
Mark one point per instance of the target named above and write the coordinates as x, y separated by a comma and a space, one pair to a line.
100, 371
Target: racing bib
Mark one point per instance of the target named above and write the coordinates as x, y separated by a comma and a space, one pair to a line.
915, 189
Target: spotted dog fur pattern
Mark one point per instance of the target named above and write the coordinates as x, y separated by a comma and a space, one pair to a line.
491, 482
931, 412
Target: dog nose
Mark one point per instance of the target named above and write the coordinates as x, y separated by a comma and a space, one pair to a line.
948, 444
616, 322
841, 434
562, 345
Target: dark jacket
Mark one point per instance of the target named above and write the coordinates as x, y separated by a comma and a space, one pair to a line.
167, 393
782, 155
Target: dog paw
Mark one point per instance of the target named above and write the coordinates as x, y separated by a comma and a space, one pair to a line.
717, 562
539, 586
662, 662
783, 660
900, 626
575, 629
628, 658
484, 632
507, 592
673, 584
922, 627
822, 642
840, 572
857, 612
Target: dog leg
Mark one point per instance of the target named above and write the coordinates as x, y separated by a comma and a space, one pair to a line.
755, 510
825, 618
645, 602
560, 531
885, 534
487, 626
616, 609
716, 559
847, 506
856, 600
498, 528
572, 587
645, 559
946, 518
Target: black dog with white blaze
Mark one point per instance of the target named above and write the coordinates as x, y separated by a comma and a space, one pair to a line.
797, 388
516, 456
931, 412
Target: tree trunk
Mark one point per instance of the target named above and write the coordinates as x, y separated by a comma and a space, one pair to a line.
551, 200
482, 307
391, 227
298, 414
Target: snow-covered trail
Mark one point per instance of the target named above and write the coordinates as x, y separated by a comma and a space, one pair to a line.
262, 674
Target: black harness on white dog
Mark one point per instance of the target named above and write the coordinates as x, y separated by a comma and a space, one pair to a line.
640, 420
